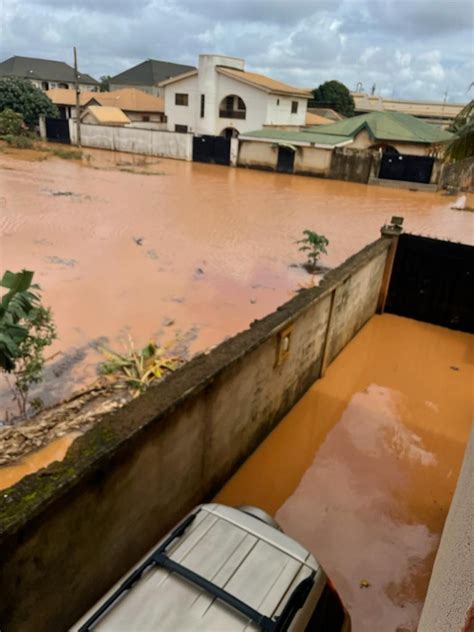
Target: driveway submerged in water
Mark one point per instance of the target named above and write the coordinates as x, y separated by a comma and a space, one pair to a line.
145, 246
362, 470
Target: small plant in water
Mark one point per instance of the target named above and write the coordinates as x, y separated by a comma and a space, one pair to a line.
138, 369
313, 245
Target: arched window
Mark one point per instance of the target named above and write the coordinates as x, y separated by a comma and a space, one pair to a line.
229, 132
232, 107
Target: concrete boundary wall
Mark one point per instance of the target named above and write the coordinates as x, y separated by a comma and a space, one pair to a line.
134, 140
68, 532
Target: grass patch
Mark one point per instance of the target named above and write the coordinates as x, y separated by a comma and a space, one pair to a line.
67, 154
19, 142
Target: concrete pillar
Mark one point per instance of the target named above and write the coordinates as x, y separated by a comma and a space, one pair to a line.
391, 231
42, 126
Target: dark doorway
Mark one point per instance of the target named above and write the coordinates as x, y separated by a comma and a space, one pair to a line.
407, 168
286, 160
211, 149
58, 130
432, 281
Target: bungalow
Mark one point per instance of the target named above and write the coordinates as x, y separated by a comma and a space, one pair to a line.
46, 73
220, 98
379, 145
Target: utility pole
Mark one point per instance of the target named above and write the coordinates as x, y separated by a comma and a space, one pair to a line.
78, 100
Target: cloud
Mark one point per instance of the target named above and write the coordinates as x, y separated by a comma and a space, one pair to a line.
415, 49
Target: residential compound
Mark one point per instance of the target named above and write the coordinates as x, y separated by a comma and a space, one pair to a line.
46, 74
436, 112
147, 76
221, 98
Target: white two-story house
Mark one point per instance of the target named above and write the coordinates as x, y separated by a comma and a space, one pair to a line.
221, 99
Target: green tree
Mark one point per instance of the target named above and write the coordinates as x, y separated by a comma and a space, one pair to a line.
105, 83
335, 95
21, 96
461, 146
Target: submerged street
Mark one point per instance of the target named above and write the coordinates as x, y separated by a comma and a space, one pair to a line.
125, 244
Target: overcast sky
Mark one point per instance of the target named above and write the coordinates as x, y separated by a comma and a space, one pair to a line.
413, 49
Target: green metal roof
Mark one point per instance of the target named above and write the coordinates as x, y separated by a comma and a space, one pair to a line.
296, 136
393, 126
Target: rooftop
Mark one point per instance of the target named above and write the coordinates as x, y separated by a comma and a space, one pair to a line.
388, 126
42, 69
149, 73
263, 82
132, 100
294, 136
317, 119
63, 96
107, 115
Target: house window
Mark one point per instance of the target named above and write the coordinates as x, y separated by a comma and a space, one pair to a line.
203, 104
278, 101
182, 129
240, 104
180, 99
229, 103
45, 85
64, 86
294, 107
145, 118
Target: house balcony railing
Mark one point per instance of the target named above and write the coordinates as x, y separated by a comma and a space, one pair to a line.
232, 114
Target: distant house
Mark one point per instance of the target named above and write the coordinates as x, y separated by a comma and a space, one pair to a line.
147, 75
137, 105
355, 148
46, 73
328, 113
220, 98
65, 100
104, 115
436, 112
316, 119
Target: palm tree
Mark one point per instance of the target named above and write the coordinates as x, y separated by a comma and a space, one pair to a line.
462, 144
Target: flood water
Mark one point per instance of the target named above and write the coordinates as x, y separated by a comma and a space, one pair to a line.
362, 470
129, 244
54, 451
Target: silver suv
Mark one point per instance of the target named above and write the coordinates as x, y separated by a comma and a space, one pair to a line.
222, 569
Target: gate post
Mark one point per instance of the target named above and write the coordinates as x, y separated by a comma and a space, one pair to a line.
42, 126
391, 231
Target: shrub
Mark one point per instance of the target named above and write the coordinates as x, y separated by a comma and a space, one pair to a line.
11, 123
20, 142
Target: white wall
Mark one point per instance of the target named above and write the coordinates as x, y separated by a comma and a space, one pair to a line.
83, 87
135, 141
279, 110
182, 114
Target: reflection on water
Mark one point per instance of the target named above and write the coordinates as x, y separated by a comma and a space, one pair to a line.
207, 248
363, 468
54, 451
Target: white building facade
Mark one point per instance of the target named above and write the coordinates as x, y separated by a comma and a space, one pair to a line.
221, 99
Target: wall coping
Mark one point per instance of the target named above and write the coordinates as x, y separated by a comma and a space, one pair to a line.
37, 492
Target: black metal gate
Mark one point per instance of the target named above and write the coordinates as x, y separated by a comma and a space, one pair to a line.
433, 281
58, 130
407, 168
286, 160
215, 149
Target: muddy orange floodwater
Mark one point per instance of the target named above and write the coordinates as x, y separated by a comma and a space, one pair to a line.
54, 451
362, 470
178, 249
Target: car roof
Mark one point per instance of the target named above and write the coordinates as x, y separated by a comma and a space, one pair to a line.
239, 554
